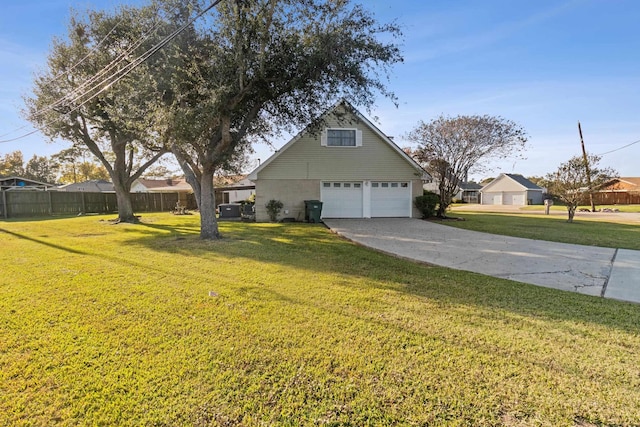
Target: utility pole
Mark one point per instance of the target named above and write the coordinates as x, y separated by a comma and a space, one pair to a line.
586, 167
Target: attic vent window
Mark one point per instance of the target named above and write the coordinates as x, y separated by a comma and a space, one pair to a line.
342, 138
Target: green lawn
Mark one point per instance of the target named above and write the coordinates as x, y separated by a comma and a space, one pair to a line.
287, 324
554, 228
557, 207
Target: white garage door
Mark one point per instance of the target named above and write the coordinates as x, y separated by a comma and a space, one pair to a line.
390, 199
514, 199
341, 199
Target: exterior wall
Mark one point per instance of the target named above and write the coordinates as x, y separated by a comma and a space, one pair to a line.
308, 159
293, 193
503, 183
233, 196
535, 197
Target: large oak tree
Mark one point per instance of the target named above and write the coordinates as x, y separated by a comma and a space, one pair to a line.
257, 67
92, 95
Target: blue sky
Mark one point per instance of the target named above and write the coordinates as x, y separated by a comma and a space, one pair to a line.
541, 63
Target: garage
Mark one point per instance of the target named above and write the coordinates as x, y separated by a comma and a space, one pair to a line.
341, 199
390, 199
363, 199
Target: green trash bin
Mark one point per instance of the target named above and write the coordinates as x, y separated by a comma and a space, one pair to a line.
312, 210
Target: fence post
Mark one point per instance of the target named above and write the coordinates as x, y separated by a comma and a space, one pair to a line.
161, 203
50, 202
5, 207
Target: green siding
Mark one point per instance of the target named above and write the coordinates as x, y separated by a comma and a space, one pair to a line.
306, 158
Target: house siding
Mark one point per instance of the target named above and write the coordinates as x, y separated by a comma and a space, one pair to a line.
307, 159
292, 194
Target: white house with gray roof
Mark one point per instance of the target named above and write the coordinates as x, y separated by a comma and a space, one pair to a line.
511, 189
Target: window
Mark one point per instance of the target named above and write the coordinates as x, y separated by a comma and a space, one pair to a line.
336, 185
347, 185
385, 185
394, 185
374, 184
357, 185
405, 185
326, 184
341, 137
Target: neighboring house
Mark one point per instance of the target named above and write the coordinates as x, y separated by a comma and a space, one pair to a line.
143, 185
619, 191
91, 186
10, 183
348, 164
238, 191
468, 192
511, 189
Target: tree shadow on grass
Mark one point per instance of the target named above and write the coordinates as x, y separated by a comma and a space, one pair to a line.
314, 249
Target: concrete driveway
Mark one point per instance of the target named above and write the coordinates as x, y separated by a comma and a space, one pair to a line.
610, 273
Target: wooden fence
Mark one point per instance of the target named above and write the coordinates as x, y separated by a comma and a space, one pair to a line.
25, 204
615, 198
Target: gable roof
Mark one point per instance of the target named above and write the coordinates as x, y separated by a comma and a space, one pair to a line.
90, 186
18, 182
628, 183
517, 178
166, 185
469, 186
343, 103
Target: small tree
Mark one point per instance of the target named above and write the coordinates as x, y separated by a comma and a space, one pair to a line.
273, 209
569, 183
450, 148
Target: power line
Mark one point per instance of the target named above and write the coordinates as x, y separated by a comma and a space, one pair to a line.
106, 83
618, 149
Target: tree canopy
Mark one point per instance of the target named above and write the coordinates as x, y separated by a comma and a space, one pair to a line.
260, 67
450, 148
80, 97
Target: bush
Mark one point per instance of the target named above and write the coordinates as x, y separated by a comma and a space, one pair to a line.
427, 204
273, 209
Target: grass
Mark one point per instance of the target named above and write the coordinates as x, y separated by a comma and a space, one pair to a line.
555, 228
557, 207
287, 324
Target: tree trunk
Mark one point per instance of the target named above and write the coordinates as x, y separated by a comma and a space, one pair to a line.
125, 207
572, 211
208, 222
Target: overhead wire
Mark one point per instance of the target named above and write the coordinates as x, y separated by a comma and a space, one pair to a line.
620, 148
106, 83
62, 73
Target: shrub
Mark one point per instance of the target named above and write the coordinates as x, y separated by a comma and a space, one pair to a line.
427, 204
273, 209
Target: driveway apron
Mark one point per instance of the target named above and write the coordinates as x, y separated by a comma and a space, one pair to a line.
584, 269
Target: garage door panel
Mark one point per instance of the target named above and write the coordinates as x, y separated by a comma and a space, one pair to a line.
390, 199
341, 199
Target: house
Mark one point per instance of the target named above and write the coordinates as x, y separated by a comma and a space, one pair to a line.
10, 183
143, 185
468, 192
619, 191
348, 164
238, 191
511, 189
90, 186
